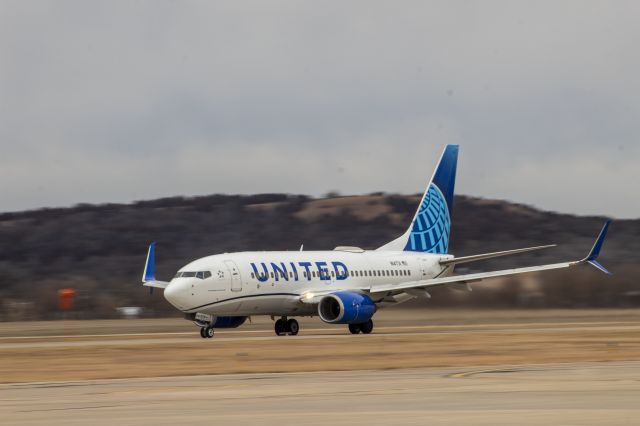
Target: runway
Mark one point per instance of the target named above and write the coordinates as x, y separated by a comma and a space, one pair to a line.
88, 350
418, 367
559, 394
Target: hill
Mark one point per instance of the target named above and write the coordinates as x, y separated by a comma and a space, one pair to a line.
100, 249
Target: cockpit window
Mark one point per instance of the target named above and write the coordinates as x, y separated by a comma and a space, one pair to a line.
203, 275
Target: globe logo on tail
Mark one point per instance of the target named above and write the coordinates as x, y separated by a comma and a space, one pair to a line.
432, 225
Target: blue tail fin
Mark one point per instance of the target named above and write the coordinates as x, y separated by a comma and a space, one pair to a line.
431, 226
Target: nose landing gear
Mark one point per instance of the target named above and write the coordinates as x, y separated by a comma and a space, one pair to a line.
285, 326
206, 332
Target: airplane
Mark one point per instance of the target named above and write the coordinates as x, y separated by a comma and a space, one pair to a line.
344, 286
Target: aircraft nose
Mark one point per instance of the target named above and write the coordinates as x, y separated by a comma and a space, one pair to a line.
177, 293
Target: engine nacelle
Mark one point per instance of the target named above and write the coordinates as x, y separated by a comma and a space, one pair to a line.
345, 307
228, 322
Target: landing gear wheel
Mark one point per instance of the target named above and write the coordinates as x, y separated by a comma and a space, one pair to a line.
293, 327
354, 328
204, 336
366, 327
208, 332
279, 327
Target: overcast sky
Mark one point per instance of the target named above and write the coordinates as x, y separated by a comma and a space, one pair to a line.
118, 101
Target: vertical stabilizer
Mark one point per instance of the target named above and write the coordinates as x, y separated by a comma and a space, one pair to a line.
431, 226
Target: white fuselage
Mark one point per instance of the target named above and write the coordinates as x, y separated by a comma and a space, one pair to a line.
272, 283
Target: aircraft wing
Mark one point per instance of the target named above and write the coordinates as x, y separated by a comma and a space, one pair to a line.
155, 284
467, 278
485, 256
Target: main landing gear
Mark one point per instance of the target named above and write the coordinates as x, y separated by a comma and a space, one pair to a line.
364, 328
283, 326
206, 332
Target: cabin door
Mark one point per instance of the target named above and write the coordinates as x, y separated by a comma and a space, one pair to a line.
236, 281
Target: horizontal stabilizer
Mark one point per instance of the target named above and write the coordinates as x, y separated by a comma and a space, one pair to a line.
478, 257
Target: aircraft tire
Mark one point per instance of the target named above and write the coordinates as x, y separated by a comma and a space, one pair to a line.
366, 327
279, 327
354, 328
293, 327
208, 332
202, 333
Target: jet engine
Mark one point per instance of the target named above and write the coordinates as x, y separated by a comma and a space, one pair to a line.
345, 307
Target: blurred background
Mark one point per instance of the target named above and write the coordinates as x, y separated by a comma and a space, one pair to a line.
119, 120
99, 250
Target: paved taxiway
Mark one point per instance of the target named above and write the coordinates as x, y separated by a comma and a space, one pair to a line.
559, 394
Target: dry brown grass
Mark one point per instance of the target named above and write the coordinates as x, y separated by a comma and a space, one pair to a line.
538, 337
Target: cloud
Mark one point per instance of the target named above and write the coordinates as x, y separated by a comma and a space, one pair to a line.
117, 101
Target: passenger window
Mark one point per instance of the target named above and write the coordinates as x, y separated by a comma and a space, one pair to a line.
290, 274
333, 273
253, 275
272, 275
